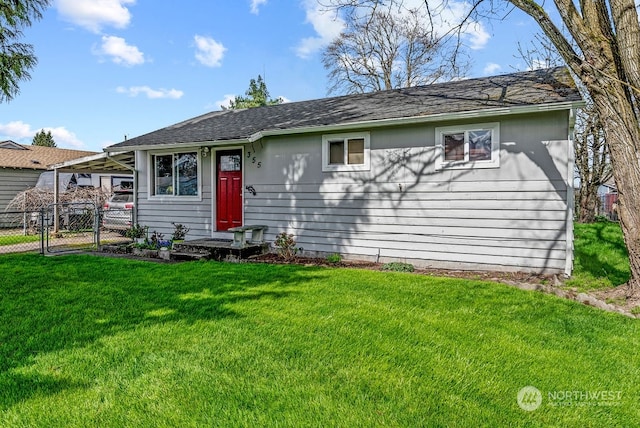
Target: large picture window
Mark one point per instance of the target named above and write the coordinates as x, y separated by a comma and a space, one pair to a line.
472, 146
175, 174
346, 152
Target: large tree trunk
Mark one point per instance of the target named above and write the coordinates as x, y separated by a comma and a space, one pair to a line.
623, 136
607, 64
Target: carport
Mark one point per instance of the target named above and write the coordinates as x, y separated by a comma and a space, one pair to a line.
101, 163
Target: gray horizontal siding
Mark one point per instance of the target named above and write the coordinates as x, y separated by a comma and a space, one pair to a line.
14, 181
509, 218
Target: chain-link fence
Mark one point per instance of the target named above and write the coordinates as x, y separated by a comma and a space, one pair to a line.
20, 231
79, 226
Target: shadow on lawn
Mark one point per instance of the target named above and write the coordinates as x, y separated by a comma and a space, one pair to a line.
598, 246
52, 304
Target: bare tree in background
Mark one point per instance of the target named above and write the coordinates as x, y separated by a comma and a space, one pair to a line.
601, 46
593, 166
389, 48
592, 160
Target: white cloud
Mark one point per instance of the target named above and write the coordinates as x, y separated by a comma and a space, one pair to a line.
226, 102
16, 130
477, 35
255, 5
134, 91
119, 51
95, 14
491, 68
65, 138
23, 133
327, 26
208, 51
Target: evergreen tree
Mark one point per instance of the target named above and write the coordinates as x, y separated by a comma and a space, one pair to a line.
43, 139
256, 96
16, 58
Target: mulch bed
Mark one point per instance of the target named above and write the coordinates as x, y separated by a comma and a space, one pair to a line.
475, 275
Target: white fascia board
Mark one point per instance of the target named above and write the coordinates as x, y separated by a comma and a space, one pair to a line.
440, 117
181, 146
70, 163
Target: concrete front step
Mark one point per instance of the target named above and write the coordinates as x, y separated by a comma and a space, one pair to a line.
215, 249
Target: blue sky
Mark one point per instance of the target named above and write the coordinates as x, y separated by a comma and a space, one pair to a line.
110, 68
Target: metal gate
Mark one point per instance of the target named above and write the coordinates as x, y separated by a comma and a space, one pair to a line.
76, 228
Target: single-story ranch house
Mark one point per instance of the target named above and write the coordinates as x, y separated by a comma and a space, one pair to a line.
471, 174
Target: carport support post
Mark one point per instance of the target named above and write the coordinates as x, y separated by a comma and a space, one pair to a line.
56, 185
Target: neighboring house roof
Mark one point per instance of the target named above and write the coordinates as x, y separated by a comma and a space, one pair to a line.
511, 91
35, 157
611, 183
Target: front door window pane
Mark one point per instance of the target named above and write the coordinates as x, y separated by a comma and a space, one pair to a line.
230, 163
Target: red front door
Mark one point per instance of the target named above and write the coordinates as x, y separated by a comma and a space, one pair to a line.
228, 189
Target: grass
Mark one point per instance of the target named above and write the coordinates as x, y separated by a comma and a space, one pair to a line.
18, 239
88, 341
601, 258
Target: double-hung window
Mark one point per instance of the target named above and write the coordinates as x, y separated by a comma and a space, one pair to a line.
468, 146
346, 152
175, 174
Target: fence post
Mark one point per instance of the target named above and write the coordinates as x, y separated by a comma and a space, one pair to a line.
41, 220
96, 226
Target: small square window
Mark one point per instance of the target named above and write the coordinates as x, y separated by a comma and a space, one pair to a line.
468, 146
349, 152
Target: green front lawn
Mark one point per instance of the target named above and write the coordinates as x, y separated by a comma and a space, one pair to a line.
91, 341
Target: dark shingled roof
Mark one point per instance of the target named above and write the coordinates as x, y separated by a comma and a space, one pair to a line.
523, 89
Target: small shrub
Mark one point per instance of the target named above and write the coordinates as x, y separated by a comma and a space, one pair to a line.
136, 231
286, 246
334, 258
398, 267
179, 231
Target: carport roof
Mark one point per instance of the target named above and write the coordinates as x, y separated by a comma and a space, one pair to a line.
108, 163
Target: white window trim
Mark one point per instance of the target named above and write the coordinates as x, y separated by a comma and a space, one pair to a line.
494, 127
151, 172
327, 167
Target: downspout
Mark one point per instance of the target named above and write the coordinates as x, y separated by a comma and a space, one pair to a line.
571, 161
